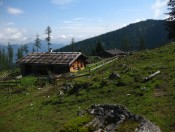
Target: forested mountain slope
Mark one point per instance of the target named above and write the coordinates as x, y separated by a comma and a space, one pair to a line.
142, 35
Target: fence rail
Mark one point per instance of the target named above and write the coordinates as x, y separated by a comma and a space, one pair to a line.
10, 83
10, 75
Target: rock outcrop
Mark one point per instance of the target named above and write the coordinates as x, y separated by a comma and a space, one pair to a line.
114, 75
109, 117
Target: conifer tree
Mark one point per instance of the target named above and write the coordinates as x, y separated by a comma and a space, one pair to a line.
99, 48
33, 49
0, 59
48, 32
125, 44
170, 24
141, 43
4, 59
10, 55
19, 53
73, 45
37, 43
93, 51
25, 49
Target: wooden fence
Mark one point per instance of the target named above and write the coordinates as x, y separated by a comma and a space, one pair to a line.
10, 75
10, 83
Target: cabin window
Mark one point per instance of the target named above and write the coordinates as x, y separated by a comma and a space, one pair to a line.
82, 65
73, 67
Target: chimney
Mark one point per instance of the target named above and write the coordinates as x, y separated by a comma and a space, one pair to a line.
50, 50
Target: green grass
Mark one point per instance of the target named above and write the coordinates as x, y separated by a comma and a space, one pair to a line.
127, 126
154, 99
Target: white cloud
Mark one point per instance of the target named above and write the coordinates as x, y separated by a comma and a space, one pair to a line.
79, 18
13, 35
76, 21
137, 20
14, 11
82, 28
63, 37
100, 20
128, 10
66, 36
9, 23
62, 2
130, 22
5, 23
158, 7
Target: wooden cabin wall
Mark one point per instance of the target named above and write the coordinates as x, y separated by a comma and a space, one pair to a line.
58, 69
105, 54
26, 69
44, 69
78, 64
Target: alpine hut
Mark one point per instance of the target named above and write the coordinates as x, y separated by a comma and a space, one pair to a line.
55, 62
111, 53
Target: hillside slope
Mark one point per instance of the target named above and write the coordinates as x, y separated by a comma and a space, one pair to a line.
152, 32
154, 99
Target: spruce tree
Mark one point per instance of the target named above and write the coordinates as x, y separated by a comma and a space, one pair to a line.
170, 24
48, 32
33, 48
10, 55
25, 49
4, 59
125, 44
0, 60
99, 48
37, 43
19, 53
93, 51
141, 43
73, 45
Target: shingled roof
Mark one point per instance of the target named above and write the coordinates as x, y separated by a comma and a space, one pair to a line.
115, 51
64, 58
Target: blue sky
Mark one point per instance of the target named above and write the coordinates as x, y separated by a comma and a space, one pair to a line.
21, 20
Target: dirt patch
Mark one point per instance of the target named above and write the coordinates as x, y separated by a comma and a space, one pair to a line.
46, 91
159, 93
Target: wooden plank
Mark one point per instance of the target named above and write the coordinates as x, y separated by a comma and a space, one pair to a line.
151, 76
7, 83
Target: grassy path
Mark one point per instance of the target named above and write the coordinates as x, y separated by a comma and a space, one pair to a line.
104, 63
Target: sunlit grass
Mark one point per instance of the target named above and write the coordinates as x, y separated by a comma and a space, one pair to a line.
154, 99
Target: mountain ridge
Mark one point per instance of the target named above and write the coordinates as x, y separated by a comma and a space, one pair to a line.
44, 47
151, 31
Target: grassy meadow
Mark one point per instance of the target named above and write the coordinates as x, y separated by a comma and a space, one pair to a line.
29, 108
